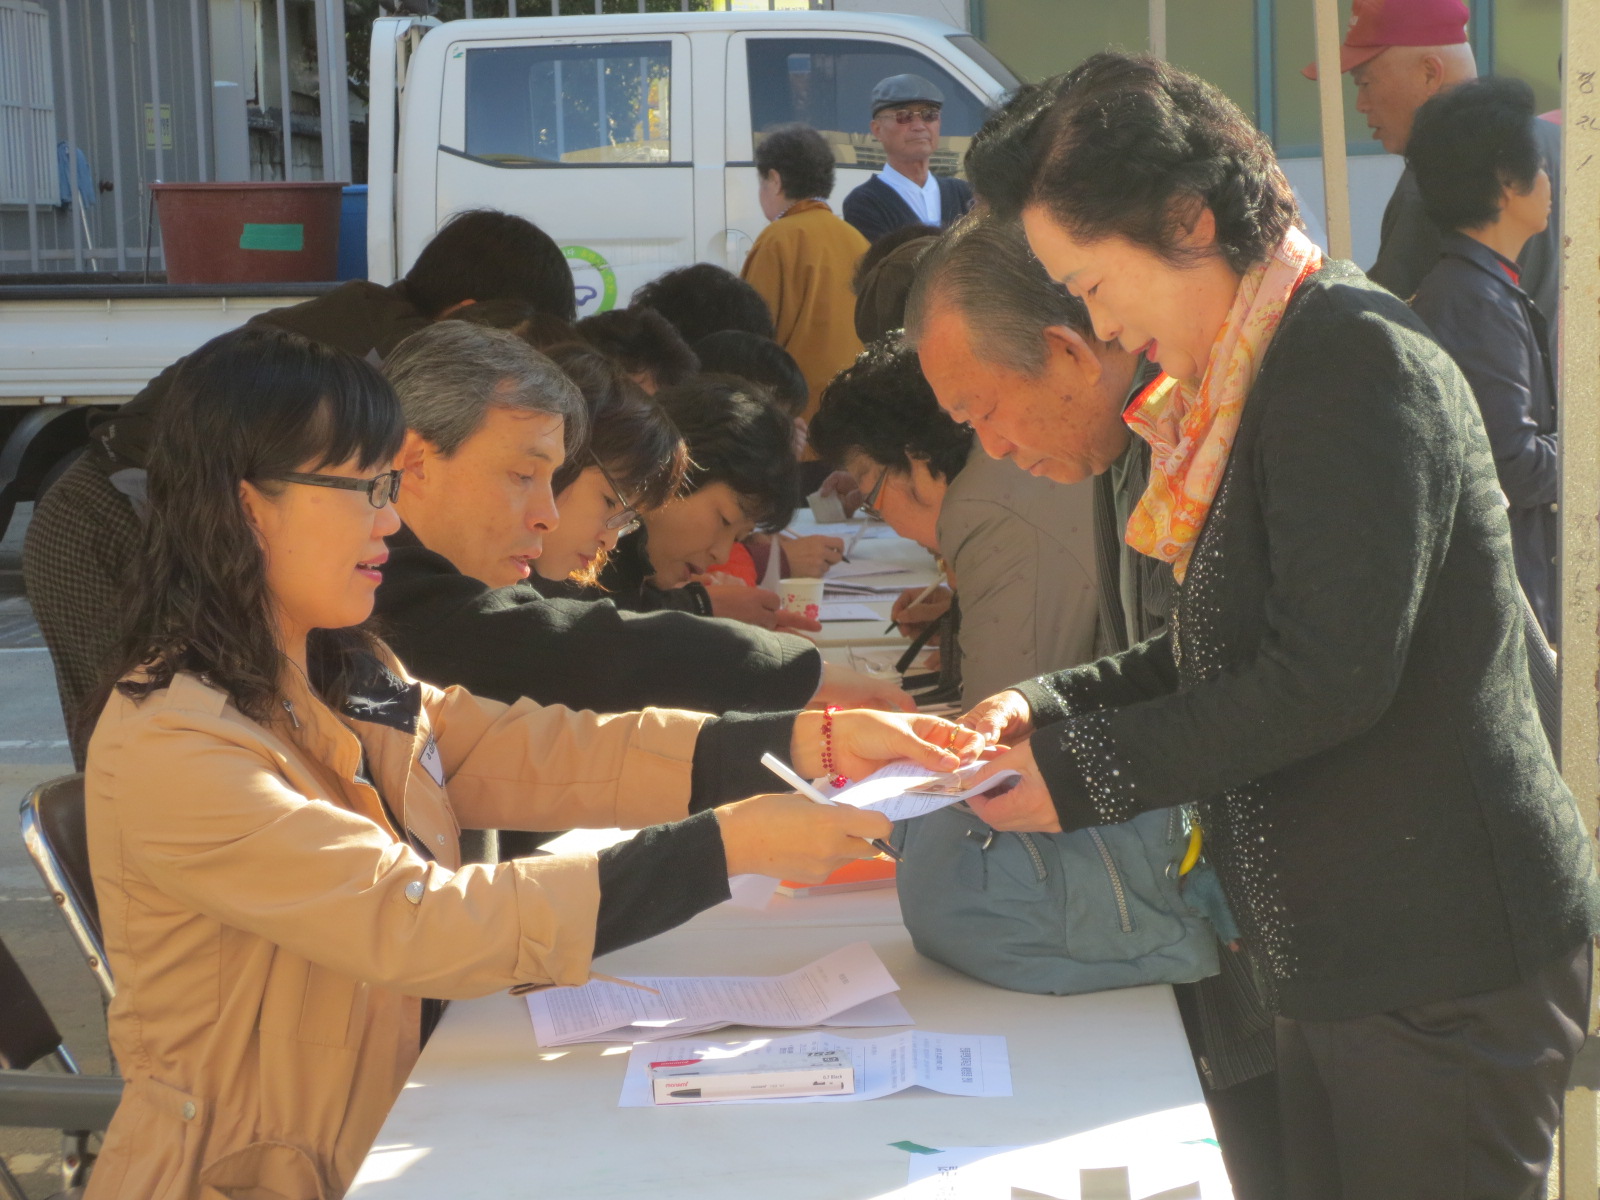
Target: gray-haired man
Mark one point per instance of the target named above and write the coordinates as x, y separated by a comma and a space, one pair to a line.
489, 420
1014, 355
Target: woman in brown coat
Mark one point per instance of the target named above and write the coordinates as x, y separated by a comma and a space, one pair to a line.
273, 804
804, 261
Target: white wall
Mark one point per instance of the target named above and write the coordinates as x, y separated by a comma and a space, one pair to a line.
1372, 180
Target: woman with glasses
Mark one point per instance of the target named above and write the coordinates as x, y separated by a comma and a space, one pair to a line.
274, 805
1019, 548
635, 461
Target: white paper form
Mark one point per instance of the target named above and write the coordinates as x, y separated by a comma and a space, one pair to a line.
903, 790
879, 1012
848, 530
843, 610
957, 1064
601, 1011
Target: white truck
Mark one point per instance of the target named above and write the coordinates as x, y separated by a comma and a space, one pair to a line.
629, 139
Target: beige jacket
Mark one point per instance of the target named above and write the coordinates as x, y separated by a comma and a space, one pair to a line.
270, 933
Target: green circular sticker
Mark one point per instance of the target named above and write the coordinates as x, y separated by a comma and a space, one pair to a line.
593, 280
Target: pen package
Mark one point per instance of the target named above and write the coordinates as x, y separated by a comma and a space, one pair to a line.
752, 1077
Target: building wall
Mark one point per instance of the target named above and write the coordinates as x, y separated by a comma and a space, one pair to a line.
103, 82
1218, 39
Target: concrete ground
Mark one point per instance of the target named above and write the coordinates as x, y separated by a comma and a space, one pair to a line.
33, 748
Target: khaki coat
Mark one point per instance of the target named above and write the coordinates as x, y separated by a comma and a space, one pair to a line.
802, 265
271, 931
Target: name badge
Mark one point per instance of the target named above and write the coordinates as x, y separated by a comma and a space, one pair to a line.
431, 761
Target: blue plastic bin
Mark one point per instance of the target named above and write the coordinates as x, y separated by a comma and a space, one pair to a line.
353, 232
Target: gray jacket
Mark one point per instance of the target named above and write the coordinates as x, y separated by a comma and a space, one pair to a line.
1021, 550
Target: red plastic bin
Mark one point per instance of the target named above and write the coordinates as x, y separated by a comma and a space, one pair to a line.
250, 232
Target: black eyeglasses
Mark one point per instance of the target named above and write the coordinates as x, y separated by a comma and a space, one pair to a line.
869, 505
904, 116
626, 521
381, 490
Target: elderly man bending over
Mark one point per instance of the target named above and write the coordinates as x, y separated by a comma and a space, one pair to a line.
1014, 355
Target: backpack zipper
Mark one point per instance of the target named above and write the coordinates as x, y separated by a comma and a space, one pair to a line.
1033, 852
1123, 916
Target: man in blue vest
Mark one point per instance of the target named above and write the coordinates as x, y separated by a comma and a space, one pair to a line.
905, 119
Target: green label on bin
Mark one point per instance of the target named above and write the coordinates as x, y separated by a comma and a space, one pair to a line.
273, 237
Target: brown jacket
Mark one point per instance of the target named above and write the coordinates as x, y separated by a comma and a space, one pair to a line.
802, 265
271, 931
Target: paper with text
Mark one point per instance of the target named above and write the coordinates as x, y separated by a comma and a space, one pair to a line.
957, 1064
600, 1011
903, 790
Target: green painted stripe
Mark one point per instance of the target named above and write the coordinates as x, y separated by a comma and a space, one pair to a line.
273, 237
913, 1148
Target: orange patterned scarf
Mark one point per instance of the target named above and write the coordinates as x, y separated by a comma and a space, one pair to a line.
1191, 431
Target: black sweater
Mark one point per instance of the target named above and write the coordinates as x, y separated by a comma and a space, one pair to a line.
509, 642
1344, 689
875, 208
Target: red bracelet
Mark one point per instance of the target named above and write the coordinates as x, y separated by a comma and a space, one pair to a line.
834, 778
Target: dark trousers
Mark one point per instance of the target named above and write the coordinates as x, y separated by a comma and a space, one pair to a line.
1245, 1114
1454, 1100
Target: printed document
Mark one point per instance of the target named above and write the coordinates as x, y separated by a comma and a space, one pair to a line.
651, 1007
904, 789
954, 1063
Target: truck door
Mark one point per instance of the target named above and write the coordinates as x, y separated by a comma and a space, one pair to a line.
826, 81
589, 138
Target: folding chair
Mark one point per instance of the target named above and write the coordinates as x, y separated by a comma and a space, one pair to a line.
74, 1103
53, 830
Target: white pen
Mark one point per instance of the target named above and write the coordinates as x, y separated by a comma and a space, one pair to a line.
921, 596
855, 537
792, 777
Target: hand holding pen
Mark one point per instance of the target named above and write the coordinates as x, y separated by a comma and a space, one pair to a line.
784, 772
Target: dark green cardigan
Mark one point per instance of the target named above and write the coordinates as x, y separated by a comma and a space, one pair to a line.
1344, 691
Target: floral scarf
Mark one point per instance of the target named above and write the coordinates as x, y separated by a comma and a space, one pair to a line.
1191, 431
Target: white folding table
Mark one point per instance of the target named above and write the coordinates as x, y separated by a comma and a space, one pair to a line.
487, 1113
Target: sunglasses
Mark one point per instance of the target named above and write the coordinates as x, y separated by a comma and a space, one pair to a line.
381, 489
627, 520
904, 116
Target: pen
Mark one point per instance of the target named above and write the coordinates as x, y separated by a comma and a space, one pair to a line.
926, 592
792, 777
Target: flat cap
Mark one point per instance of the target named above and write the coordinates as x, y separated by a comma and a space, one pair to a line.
904, 89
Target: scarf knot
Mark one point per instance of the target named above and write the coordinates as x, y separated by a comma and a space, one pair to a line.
1191, 430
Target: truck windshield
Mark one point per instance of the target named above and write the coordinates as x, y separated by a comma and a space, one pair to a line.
827, 83
987, 59
603, 102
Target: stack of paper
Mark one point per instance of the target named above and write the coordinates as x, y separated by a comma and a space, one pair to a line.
850, 987
953, 1063
838, 610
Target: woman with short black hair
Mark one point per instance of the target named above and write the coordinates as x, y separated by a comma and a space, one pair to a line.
1343, 693
1019, 549
803, 262
1484, 183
